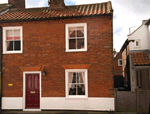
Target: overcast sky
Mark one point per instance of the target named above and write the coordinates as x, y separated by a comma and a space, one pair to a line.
127, 13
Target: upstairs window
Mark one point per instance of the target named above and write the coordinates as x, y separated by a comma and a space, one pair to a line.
137, 43
76, 37
119, 62
12, 40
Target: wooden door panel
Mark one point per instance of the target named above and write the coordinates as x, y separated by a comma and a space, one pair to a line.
32, 91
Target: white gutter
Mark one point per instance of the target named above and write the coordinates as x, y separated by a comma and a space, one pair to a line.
4, 12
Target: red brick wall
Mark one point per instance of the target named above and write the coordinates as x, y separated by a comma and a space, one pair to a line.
44, 45
117, 69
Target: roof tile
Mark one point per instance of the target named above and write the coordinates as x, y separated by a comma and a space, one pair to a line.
140, 59
47, 12
3, 7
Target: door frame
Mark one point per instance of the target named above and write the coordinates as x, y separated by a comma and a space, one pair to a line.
24, 88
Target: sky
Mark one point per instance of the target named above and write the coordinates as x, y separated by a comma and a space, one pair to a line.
127, 13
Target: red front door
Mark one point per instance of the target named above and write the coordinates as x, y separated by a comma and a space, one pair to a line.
32, 91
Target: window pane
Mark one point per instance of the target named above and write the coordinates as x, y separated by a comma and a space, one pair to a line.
80, 31
72, 89
80, 77
70, 77
137, 78
137, 43
80, 89
80, 43
16, 34
72, 32
120, 62
9, 35
17, 45
72, 43
9, 45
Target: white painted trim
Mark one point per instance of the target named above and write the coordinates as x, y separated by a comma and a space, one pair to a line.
67, 35
119, 62
12, 102
4, 39
86, 83
97, 103
24, 86
51, 103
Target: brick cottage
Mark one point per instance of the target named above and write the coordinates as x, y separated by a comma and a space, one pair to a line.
57, 57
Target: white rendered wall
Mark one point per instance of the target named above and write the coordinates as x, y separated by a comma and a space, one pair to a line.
142, 35
12, 102
63, 103
132, 76
78, 104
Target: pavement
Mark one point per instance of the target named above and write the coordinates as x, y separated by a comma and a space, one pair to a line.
64, 112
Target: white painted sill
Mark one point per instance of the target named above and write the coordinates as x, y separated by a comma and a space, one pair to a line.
76, 50
137, 47
76, 98
13, 52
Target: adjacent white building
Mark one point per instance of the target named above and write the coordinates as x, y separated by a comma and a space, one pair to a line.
139, 55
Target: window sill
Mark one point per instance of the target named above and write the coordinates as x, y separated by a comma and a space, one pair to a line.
13, 52
137, 47
120, 65
76, 50
76, 98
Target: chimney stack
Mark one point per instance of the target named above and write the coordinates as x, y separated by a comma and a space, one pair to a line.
17, 3
56, 3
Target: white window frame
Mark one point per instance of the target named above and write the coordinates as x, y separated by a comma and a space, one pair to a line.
119, 62
4, 39
86, 83
67, 37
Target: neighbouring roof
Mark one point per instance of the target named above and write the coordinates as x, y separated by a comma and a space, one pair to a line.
124, 46
3, 7
140, 59
144, 22
47, 12
148, 22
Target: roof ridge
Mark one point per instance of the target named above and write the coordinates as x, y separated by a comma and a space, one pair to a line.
57, 8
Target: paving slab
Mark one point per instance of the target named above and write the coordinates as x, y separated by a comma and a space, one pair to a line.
64, 112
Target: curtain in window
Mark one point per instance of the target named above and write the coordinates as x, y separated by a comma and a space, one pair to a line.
8, 45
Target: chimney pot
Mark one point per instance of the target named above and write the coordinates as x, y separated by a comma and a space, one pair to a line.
56, 3
17, 3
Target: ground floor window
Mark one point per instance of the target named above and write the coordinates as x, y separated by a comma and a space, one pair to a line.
76, 83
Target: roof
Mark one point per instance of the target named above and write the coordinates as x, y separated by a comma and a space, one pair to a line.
3, 7
124, 46
47, 12
144, 22
140, 59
